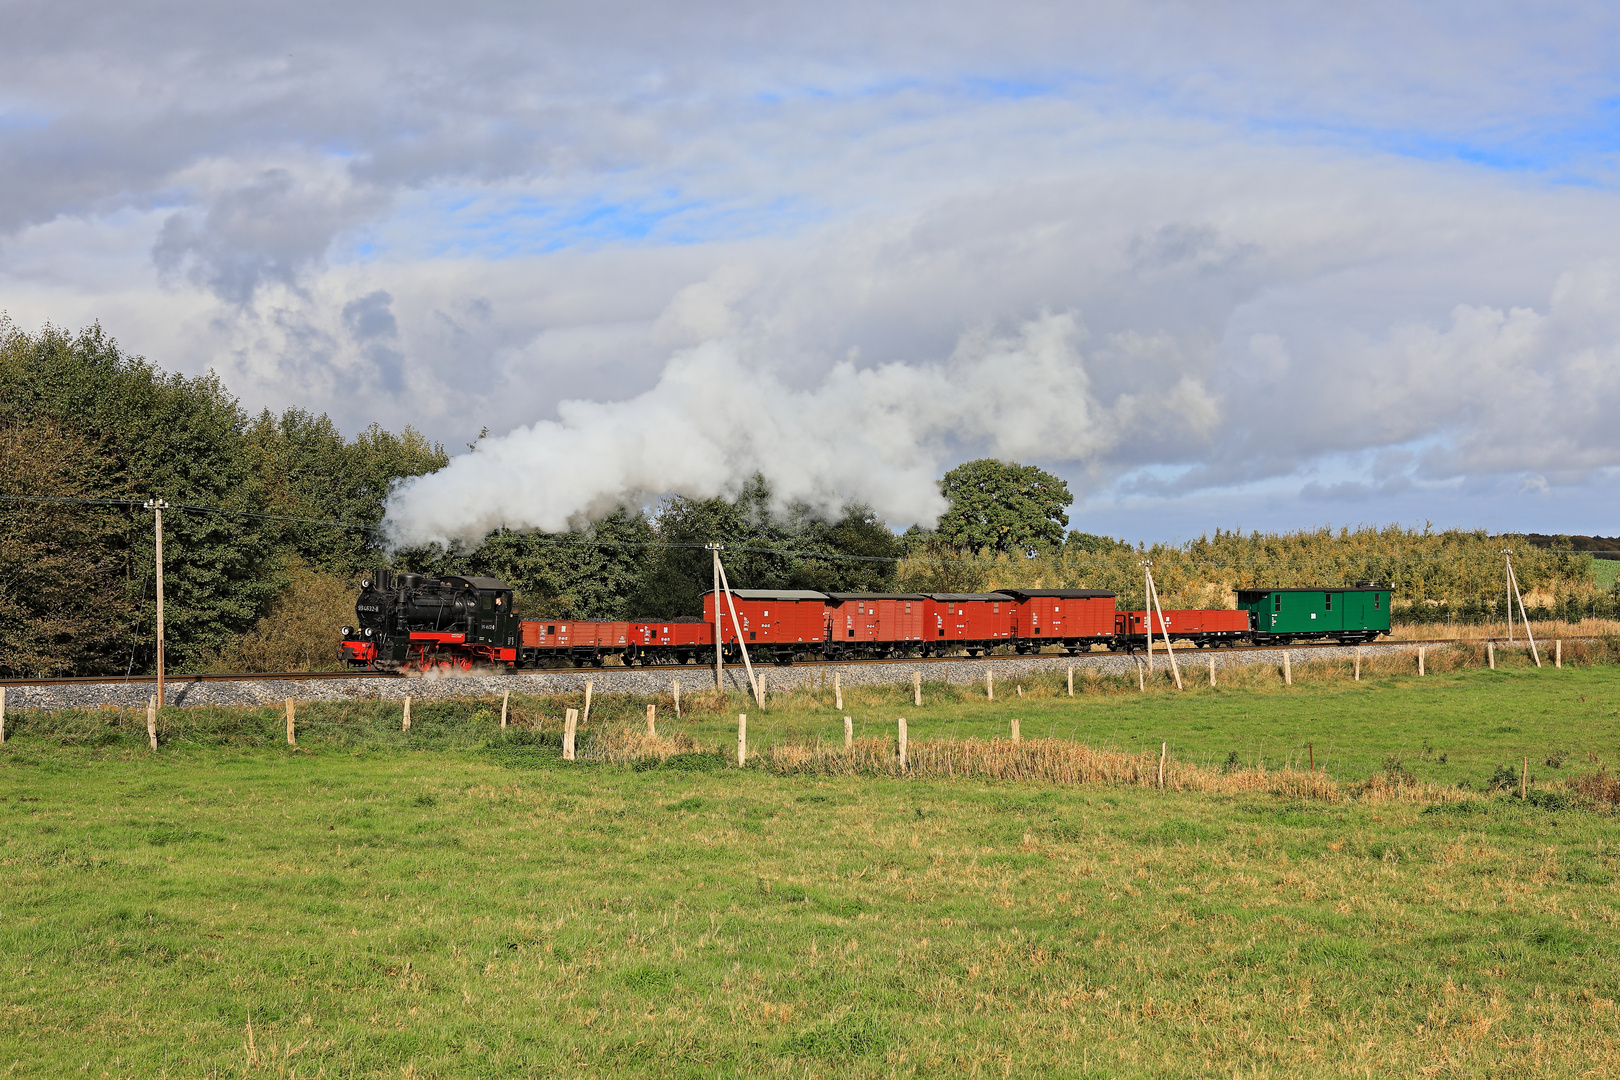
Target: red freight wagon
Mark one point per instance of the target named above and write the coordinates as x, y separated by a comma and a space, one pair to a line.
1203, 628
781, 622
975, 621
1073, 618
580, 641
874, 622
670, 642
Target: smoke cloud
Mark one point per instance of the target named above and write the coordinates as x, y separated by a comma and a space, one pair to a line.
877, 435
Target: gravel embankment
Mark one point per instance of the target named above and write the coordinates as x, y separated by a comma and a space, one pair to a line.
619, 680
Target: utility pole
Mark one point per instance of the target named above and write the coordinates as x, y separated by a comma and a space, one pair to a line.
719, 683
1514, 594
1507, 563
1152, 602
157, 506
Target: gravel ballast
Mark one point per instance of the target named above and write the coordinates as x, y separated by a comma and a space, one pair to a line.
646, 683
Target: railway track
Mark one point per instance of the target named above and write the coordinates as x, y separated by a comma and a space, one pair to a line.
322, 676
186, 680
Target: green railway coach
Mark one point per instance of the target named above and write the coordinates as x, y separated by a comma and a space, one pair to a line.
1348, 613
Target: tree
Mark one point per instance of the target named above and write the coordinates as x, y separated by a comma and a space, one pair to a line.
1003, 507
766, 548
309, 471
142, 432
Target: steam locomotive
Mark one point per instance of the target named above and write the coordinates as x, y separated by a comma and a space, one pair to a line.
408, 622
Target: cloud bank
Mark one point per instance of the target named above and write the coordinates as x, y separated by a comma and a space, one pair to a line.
1260, 263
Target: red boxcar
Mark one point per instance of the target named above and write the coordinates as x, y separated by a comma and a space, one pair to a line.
1073, 618
874, 622
1203, 628
974, 621
579, 640
670, 642
781, 622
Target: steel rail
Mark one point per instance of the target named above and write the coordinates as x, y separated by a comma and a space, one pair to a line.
317, 676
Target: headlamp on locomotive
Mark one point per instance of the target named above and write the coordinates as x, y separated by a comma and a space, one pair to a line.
409, 622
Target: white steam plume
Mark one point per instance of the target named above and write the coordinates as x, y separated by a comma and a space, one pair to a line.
878, 435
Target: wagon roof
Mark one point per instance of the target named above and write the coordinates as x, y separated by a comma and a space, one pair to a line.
840, 597
1316, 588
1061, 594
775, 594
954, 596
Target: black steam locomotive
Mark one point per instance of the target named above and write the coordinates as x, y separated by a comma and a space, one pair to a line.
408, 622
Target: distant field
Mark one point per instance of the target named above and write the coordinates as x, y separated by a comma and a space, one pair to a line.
1605, 572
424, 905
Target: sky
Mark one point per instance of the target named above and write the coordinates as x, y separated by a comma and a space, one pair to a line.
1261, 265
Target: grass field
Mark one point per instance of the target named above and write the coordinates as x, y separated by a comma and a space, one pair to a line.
445, 903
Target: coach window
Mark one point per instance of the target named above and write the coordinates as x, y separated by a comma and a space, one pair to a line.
1276, 602
551, 629
1375, 600
1328, 597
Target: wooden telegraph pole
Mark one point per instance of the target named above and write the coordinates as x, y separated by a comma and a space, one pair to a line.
719, 683
157, 506
1513, 594
1152, 602
736, 628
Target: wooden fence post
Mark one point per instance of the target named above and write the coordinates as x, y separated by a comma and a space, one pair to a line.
1490, 654
1288, 672
916, 688
1311, 749
1071, 680
1016, 736
1020, 690
1212, 669
759, 688
652, 721
742, 738
1358, 663
677, 699
849, 732
1420, 660
585, 717
405, 721
292, 738
1524, 779
1141, 679
2, 715
151, 721
1164, 751
838, 693
506, 699
1558, 653
902, 744
570, 731
989, 685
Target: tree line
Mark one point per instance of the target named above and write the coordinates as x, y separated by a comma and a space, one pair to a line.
259, 581
262, 573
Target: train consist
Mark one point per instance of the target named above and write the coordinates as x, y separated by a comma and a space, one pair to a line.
408, 622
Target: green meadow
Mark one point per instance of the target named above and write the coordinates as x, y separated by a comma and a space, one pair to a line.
455, 901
